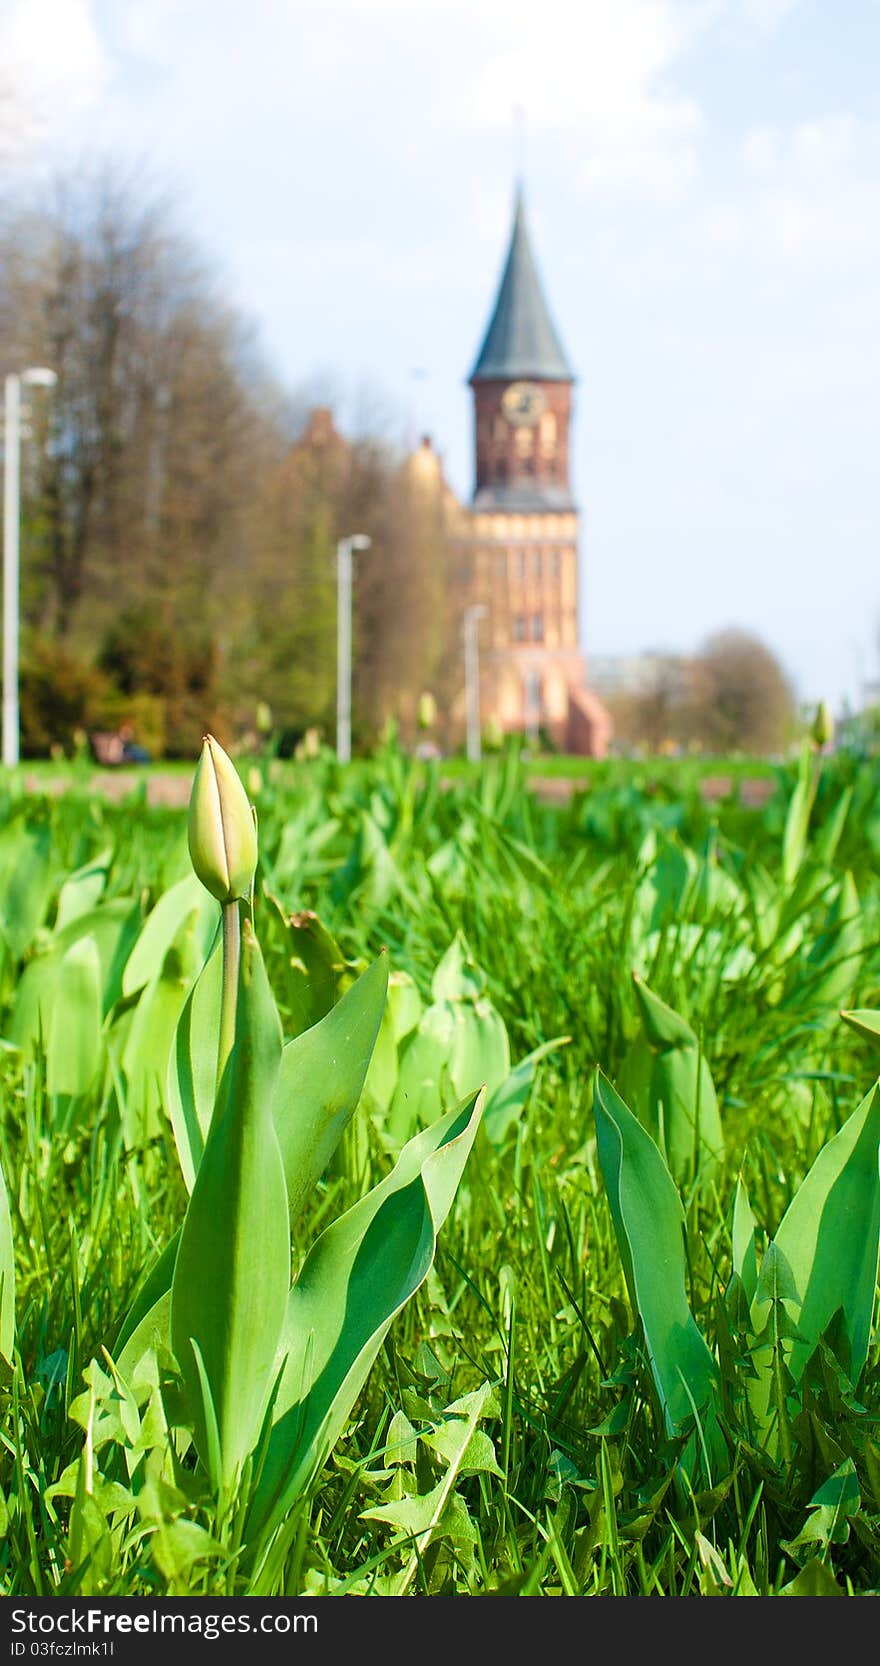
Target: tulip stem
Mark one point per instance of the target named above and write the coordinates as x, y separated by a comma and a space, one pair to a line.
229, 998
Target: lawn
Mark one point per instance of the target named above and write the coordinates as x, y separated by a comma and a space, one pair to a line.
489, 1202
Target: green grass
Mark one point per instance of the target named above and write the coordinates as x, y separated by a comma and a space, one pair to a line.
567, 1482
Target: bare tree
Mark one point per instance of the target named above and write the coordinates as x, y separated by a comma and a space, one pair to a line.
742, 697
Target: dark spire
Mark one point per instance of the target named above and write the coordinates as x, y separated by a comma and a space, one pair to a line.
521, 339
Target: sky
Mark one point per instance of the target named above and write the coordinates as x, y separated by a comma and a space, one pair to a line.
702, 185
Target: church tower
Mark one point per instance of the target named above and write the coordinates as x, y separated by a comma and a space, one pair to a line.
521, 561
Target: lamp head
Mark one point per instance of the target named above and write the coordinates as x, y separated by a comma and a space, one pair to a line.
360, 541
39, 376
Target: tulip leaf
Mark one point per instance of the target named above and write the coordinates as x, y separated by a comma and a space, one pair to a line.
403, 1009
505, 1106
829, 1239
321, 1080
25, 890
75, 1043
232, 1273
459, 1046
745, 1257
649, 1226
192, 1065
682, 1103
149, 1043
316, 969
797, 820
161, 926
355, 1279
82, 890
833, 962
113, 928
155, 1284
865, 1021
7, 1276
135, 1357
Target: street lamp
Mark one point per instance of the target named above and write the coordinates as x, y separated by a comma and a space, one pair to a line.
37, 377
344, 551
472, 617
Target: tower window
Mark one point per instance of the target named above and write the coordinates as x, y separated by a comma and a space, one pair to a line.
554, 563
500, 430
532, 700
519, 627
536, 563
537, 627
548, 434
519, 564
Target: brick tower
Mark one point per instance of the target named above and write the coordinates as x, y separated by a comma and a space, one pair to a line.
521, 532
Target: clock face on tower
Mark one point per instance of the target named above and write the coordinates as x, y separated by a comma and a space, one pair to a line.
522, 402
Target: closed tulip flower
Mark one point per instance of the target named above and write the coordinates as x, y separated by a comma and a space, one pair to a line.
222, 834
822, 731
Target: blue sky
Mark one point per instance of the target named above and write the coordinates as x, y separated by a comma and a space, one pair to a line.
703, 191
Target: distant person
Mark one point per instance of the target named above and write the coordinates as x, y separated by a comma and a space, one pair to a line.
132, 753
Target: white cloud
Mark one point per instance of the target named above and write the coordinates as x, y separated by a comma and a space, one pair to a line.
760, 149
814, 189
596, 77
54, 66
52, 48
830, 140
768, 14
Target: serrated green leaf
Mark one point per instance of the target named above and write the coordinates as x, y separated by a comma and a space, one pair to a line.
816, 1579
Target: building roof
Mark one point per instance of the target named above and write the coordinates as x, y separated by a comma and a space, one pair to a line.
521, 339
524, 497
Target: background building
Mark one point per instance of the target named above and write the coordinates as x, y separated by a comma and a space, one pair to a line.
518, 541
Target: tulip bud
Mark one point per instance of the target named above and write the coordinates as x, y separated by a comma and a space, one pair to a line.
823, 725
264, 717
427, 710
493, 735
222, 835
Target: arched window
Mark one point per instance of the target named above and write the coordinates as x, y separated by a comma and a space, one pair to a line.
548, 434
532, 701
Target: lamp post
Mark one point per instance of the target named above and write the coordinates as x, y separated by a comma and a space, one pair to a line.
344, 550
472, 617
37, 377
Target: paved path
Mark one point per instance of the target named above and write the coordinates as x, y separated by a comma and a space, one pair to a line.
172, 791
